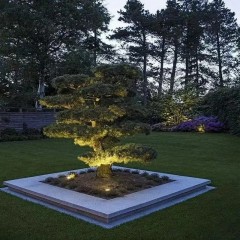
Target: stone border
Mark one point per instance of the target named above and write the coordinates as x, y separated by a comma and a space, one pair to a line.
112, 212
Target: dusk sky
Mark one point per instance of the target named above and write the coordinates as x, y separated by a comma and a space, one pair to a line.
153, 5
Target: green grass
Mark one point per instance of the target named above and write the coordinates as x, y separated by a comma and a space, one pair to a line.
211, 216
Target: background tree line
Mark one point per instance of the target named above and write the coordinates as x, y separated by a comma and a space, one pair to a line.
40, 40
191, 44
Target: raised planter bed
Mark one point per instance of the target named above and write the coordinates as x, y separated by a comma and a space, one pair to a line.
107, 213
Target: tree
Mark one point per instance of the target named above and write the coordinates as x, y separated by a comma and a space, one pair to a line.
175, 108
135, 37
176, 22
167, 29
222, 32
76, 61
160, 30
100, 109
96, 19
193, 48
35, 36
225, 104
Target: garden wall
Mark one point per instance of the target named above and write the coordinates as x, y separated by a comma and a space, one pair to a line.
17, 120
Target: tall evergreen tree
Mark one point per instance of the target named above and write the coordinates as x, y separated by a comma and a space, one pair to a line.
96, 19
37, 34
135, 37
222, 33
160, 30
167, 28
176, 22
192, 47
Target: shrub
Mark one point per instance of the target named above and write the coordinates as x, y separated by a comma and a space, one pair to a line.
161, 127
135, 172
9, 132
174, 109
49, 179
201, 124
31, 131
117, 170
165, 178
10, 138
225, 104
145, 174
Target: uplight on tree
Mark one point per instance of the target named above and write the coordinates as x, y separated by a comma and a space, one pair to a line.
98, 111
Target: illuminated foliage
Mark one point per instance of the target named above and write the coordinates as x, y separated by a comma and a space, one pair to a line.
176, 108
98, 110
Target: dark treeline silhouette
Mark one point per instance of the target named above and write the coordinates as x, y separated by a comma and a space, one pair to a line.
189, 44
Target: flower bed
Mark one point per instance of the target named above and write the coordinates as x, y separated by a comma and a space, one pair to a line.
200, 124
123, 182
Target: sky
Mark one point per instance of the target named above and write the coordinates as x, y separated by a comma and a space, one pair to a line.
153, 5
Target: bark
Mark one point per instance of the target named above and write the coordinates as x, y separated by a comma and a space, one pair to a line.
144, 71
41, 90
197, 74
104, 171
174, 67
219, 61
160, 83
187, 72
187, 59
95, 49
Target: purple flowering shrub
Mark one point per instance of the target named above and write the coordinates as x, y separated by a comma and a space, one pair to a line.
200, 124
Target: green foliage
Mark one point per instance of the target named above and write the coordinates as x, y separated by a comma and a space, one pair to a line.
47, 39
10, 134
165, 178
100, 109
120, 154
76, 61
225, 104
193, 46
222, 36
9, 131
134, 36
176, 108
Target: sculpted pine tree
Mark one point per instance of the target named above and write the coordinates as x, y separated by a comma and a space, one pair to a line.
99, 110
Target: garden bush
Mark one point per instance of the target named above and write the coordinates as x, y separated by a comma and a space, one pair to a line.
31, 131
161, 127
201, 124
171, 110
10, 134
225, 104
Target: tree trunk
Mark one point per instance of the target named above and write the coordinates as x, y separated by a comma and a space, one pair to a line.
41, 87
219, 62
144, 71
197, 74
187, 60
187, 71
174, 67
160, 83
104, 171
95, 48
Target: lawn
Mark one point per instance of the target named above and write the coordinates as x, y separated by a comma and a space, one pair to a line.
212, 216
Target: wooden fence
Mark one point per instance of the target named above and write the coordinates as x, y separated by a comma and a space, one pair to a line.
19, 120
